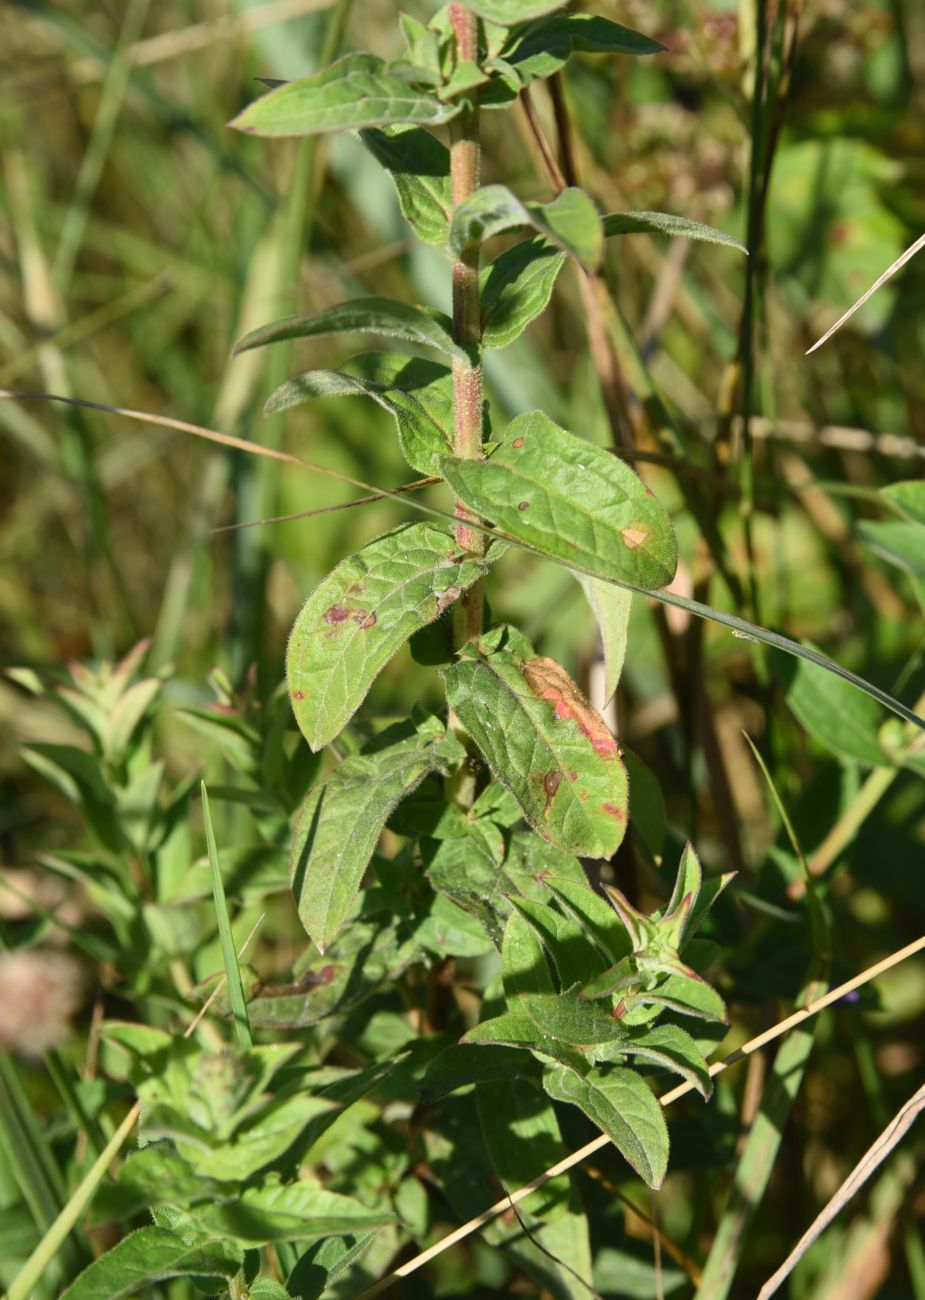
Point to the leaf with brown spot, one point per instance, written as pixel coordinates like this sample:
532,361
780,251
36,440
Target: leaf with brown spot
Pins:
362,613
586,507
542,739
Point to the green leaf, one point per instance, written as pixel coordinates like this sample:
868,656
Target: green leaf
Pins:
543,48
596,917
665,223
673,1048
574,956
543,741
570,500
303,1211
459,1066
516,287
362,613
153,1255
356,91
899,542
372,315
418,395
611,607
512,1029
686,994
907,497
570,221
343,816
524,968
508,12
831,710
570,1019
229,955
648,817
619,1102
419,167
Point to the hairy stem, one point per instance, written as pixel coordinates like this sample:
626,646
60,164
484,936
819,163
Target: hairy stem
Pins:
467,330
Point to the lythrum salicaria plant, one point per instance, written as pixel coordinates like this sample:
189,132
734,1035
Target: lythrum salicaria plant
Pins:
587,988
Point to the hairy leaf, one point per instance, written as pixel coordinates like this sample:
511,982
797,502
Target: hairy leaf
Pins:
573,954
417,394
619,1102
524,968
596,917
362,613
570,500
544,47
343,816
664,223
516,288
543,741
673,1048
152,1255
571,1020
287,1212
372,315
419,166
687,995
570,221
356,91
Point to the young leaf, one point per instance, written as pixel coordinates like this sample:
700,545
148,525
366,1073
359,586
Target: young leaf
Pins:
363,316
362,613
569,1019
543,48
516,287
619,1102
611,606
570,500
686,994
570,221
908,498
524,967
343,816
673,1048
665,223
596,917
356,91
543,741
153,1255
574,956
418,394
419,166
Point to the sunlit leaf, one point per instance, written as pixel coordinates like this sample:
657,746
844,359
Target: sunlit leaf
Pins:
665,223
343,816
362,613
419,166
374,315
571,500
356,91
544,47
611,606
619,1102
543,741
570,221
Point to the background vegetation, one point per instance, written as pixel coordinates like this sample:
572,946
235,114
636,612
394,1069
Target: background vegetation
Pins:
140,239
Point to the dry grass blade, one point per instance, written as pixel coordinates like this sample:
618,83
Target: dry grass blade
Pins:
881,280
599,1143
872,1159
369,499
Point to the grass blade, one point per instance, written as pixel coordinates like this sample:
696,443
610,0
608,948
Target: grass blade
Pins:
230,957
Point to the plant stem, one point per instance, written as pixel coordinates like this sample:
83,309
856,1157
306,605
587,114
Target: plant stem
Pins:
467,329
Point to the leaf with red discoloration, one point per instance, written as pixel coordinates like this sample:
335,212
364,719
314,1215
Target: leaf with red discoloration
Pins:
544,741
